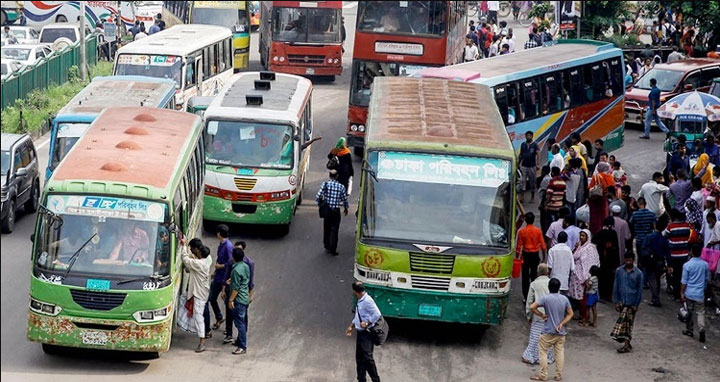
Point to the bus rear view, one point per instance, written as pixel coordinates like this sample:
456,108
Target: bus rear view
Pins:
301,37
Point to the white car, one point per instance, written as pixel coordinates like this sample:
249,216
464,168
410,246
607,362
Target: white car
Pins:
9,66
24,34
26,54
69,33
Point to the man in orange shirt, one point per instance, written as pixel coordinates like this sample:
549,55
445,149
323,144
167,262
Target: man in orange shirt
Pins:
529,243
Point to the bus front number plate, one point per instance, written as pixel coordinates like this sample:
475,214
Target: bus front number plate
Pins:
94,338
430,310
310,71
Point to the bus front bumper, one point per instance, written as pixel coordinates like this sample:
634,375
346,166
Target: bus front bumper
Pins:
81,332
307,70
221,210
439,306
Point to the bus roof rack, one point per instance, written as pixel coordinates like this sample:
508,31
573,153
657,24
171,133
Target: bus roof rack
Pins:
254,99
267,75
262,85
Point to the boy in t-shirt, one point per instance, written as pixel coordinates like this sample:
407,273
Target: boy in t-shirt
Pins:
591,294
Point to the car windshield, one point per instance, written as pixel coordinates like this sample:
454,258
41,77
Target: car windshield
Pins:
471,196
307,25
20,54
125,237
365,71
66,137
151,66
234,19
666,79
50,35
249,144
5,161
402,17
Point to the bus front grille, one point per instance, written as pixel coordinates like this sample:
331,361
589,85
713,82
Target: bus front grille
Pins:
432,263
97,300
245,184
306,59
431,283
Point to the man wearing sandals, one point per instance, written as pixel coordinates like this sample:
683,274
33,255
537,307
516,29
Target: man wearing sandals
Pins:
558,312
627,295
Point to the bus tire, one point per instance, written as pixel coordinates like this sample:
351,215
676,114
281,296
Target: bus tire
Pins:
50,349
330,78
209,226
284,229
61,19
358,151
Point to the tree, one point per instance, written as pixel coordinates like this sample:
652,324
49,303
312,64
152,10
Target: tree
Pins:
703,15
599,16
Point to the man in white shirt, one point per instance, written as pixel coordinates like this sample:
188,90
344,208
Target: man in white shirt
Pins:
653,192
508,39
707,229
197,264
675,55
556,227
557,159
470,53
561,262
493,8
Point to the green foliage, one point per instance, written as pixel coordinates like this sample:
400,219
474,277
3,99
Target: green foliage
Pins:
599,16
623,41
703,14
540,10
74,73
40,105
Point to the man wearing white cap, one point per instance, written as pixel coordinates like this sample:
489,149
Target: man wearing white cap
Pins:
710,207
622,229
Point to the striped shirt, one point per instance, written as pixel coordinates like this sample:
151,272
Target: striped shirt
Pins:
555,194
678,235
641,222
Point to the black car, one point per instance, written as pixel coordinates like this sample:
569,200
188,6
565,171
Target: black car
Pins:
20,178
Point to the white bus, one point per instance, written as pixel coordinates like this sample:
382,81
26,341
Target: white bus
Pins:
197,57
257,136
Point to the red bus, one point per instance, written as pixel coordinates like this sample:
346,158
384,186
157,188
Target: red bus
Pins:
301,37
397,38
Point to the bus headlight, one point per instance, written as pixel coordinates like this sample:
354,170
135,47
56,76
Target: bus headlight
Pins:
282,58
144,316
361,128
276,58
335,61
330,61
44,308
353,128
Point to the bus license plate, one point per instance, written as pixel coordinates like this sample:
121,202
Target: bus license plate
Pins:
94,338
487,285
430,310
309,71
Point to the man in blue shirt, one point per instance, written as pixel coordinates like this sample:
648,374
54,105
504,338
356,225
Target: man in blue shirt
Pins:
651,111
655,253
366,316
627,295
333,194
154,28
223,266
695,276
558,313
680,190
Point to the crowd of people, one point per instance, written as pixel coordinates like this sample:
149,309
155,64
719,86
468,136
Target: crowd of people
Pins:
491,38
593,231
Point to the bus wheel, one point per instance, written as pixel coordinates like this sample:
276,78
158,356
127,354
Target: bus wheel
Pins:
283,229
330,78
51,349
358,151
209,226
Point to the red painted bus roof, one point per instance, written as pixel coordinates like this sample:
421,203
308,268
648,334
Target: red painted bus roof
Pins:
433,110
137,145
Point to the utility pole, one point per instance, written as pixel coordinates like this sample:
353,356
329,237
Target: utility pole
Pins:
83,53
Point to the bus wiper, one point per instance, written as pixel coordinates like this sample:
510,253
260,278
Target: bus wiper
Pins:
75,255
370,170
55,218
153,277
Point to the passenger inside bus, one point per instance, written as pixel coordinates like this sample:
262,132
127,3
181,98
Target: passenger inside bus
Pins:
132,244
408,17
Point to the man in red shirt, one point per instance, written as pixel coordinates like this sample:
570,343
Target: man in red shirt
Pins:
529,244
555,194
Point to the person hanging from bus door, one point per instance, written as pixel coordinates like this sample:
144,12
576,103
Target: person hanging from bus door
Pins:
651,111
197,264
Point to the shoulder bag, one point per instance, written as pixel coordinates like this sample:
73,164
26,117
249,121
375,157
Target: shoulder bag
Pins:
379,331
323,206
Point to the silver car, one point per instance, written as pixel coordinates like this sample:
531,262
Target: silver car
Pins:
20,178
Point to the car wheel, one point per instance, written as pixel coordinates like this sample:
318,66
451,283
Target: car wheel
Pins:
8,223
32,204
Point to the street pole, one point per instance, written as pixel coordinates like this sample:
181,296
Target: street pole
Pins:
83,53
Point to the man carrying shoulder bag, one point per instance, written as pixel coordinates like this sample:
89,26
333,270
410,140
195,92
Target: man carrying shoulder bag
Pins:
372,329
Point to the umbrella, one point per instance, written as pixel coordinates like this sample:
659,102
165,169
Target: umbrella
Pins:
691,106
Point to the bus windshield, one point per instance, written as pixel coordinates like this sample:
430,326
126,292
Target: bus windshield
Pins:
666,79
471,196
402,17
67,135
225,17
249,144
125,237
307,25
365,71
151,66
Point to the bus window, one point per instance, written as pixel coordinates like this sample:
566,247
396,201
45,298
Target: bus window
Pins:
574,88
502,102
530,98
552,101
616,76
190,74
598,77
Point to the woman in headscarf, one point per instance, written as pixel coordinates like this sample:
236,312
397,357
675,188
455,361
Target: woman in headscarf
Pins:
573,152
343,165
585,257
693,213
703,170
598,204
606,243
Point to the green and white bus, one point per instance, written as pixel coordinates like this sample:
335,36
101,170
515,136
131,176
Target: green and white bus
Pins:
106,269
435,232
257,136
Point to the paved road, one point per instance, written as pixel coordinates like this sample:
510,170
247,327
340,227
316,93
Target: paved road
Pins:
303,305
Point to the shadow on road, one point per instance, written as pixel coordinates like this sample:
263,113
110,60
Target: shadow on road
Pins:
419,332
105,361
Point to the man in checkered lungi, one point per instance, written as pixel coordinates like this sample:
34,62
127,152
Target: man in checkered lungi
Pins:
627,295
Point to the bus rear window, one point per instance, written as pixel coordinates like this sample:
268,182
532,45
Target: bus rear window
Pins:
402,17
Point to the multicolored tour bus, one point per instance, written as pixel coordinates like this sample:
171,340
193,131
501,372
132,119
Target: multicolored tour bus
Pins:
301,37
106,268
197,57
397,38
257,136
39,13
436,151
564,87
231,14
73,119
